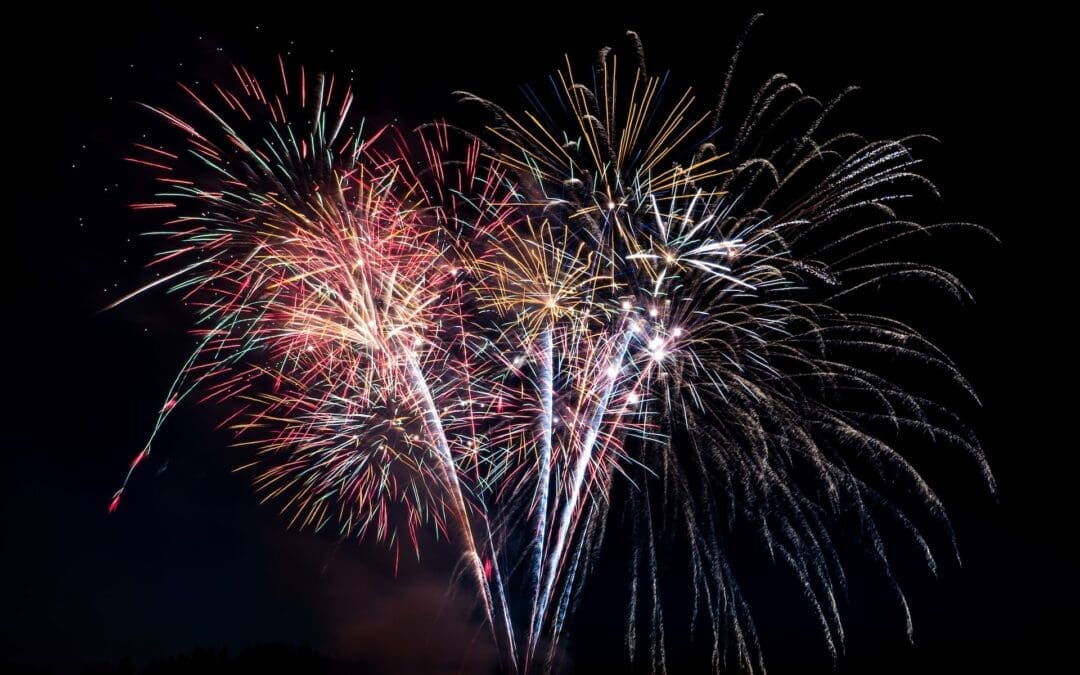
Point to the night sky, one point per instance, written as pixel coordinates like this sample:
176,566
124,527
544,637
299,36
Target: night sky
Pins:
192,560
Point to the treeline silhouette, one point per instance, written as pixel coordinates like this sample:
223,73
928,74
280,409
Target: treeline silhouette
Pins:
272,659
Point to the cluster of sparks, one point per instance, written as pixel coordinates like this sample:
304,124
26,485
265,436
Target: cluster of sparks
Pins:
608,304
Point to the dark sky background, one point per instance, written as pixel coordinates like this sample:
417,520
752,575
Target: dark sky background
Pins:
192,560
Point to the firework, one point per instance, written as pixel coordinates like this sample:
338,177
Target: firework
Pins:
616,302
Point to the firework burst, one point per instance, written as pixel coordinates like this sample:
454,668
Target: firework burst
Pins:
619,301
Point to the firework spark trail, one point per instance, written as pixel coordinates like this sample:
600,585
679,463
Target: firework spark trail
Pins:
450,475
543,481
499,333
577,485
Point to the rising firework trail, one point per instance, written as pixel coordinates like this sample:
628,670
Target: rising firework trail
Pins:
613,300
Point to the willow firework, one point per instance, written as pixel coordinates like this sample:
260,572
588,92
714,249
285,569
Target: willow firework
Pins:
613,302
